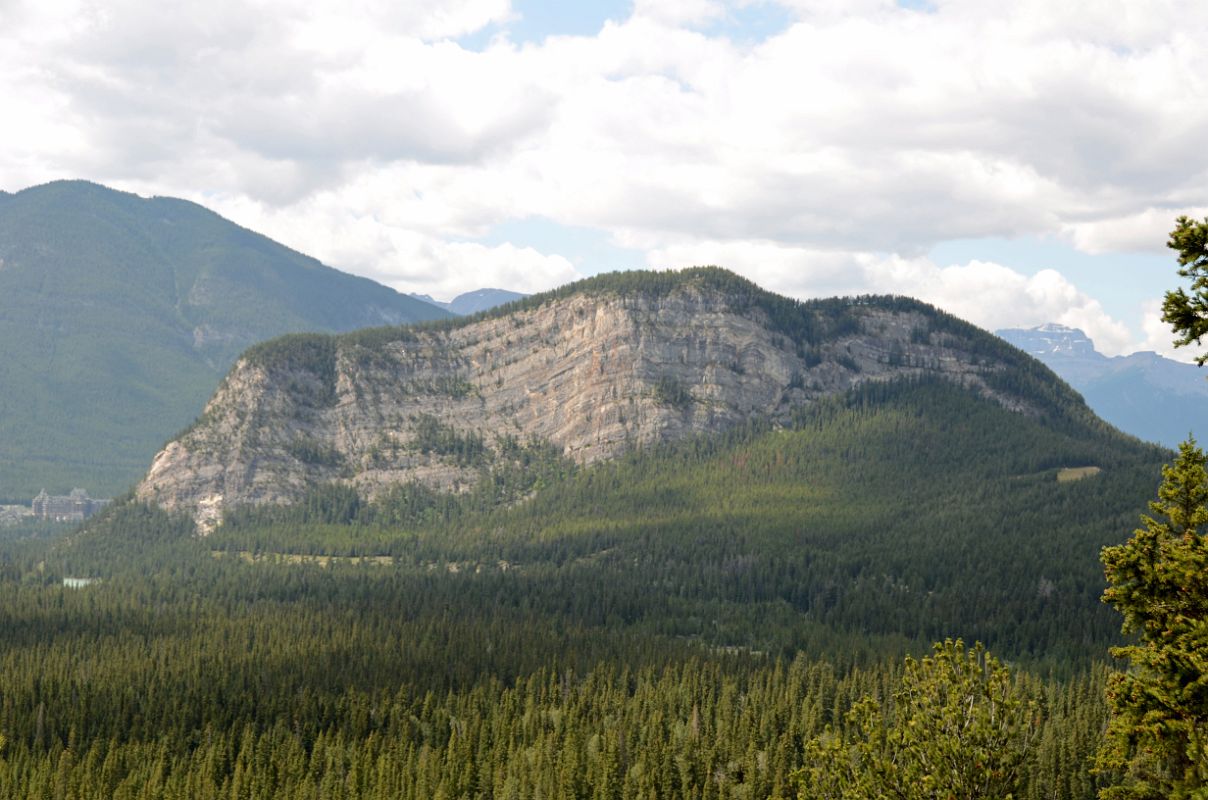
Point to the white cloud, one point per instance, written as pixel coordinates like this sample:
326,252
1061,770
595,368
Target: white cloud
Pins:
995,296
828,157
1145,230
410,260
521,269
1158,336
990,295
680,12
794,271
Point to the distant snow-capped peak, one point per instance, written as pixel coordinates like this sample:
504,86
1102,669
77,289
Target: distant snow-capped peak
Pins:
1050,339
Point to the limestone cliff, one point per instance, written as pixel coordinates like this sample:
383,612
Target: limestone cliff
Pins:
593,369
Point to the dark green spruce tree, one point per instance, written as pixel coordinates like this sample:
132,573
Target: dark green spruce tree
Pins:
1157,739
1188,313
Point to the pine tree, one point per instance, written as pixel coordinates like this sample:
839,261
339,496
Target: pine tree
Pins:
1157,738
1188,314
958,727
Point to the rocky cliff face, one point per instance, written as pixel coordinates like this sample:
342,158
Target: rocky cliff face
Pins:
592,372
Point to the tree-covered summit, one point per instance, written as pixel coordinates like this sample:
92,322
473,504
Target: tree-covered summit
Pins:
119,314
807,326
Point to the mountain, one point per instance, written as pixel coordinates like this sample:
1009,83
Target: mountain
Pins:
679,454
482,300
1151,397
475,301
593,369
120,314
710,603
1051,340
690,525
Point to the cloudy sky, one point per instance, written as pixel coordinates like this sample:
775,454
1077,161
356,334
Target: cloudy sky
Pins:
1015,162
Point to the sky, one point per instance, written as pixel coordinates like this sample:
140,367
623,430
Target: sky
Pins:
1015,163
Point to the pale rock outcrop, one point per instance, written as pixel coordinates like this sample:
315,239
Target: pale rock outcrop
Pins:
593,374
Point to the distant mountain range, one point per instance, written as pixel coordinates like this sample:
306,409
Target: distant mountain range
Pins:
473,302
119,315
1151,397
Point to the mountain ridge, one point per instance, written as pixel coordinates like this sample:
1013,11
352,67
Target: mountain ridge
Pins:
473,301
593,368
119,314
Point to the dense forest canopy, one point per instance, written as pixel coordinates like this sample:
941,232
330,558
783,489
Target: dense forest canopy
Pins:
677,623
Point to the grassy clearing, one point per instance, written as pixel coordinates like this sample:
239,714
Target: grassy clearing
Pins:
1069,474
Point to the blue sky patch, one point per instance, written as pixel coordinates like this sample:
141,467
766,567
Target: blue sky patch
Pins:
535,20
752,23
918,5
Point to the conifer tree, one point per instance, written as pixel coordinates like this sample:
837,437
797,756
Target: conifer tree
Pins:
958,727
1157,739
1188,314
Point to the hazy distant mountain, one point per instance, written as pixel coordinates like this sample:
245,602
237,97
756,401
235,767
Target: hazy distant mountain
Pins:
119,315
1144,394
429,299
475,301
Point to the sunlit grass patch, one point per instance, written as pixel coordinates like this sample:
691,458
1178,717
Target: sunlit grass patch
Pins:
1069,474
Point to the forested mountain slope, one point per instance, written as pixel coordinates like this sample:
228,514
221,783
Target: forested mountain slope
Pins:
593,369
888,517
119,315
675,620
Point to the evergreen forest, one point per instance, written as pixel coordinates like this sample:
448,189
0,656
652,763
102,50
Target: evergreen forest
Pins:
701,619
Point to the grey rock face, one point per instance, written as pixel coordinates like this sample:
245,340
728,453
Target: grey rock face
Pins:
593,375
